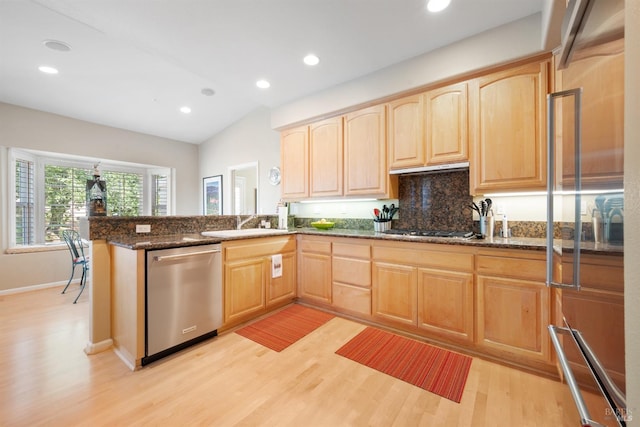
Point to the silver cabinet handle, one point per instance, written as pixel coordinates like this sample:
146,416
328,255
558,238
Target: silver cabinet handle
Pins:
177,256
577,94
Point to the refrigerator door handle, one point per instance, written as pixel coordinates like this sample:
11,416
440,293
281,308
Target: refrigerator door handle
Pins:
585,417
552,190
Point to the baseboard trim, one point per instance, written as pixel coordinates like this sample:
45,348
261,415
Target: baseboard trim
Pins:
36,287
93,348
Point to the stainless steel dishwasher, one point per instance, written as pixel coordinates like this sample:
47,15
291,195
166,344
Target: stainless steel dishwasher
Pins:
183,298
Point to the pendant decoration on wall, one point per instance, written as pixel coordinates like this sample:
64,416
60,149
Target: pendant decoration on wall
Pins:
274,175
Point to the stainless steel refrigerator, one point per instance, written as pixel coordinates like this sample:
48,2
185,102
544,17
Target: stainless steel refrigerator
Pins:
585,217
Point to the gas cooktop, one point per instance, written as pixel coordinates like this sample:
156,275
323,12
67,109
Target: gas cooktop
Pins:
429,233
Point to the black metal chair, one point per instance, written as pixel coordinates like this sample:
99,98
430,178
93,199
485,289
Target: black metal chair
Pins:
76,249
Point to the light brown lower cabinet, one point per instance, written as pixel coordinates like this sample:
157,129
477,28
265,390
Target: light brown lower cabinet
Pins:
395,292
445,304
426,288
351,276
249,288
314,267
513,306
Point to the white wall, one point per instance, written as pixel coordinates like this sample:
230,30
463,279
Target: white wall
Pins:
37,130
504,44
251,139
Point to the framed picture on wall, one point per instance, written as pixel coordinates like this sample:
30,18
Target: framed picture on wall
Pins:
212,195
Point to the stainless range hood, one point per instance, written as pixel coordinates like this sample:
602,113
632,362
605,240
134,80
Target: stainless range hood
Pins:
447,167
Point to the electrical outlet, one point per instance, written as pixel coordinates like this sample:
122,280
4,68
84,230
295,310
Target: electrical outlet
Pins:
583,207
143,228
499,209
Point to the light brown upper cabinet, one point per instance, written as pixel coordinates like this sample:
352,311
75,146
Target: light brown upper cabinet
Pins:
430,128
601,78
294,155
365,154
447,124
508,129
325,158
406,132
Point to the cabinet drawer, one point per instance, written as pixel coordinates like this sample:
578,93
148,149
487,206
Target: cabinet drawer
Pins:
352,250
352,298
253,248
530,269
355,272
416,256
320,246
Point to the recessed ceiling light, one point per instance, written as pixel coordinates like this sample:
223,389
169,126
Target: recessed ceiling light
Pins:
437,5
207,91
311,59
57,45
185,110
48,70
263,84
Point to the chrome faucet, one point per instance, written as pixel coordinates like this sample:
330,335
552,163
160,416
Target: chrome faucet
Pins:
240,223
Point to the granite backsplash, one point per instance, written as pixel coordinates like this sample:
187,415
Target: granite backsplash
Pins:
435,201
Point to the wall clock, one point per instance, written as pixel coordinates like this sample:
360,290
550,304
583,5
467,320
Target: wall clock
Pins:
274,175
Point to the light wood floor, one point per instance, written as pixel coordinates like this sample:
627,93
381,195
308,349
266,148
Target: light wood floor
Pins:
46,379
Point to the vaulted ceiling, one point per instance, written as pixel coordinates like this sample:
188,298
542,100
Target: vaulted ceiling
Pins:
133,64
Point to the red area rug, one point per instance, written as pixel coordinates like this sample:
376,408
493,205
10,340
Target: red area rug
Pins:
436,370
285,327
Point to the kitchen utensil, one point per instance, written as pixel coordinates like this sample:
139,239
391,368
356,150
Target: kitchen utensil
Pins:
483,208
489,203
475,208
393,212
376,213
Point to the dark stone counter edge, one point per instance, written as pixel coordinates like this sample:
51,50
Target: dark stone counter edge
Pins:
195,239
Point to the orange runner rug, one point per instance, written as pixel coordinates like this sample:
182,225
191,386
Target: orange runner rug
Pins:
285,327
436,370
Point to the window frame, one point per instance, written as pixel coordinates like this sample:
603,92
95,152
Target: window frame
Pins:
41,159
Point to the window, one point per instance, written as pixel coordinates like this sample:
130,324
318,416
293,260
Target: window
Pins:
25,200
51,193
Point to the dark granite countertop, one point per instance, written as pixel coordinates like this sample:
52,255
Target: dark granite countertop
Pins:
193,239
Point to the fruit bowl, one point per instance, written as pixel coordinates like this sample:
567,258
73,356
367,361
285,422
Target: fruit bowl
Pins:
323,225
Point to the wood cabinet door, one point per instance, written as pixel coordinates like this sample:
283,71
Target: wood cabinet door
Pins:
601,78
406,132
447,124
282,288
244,284
508,128
294,157
325,156
394,292
315,277
445,303
512,318
365,151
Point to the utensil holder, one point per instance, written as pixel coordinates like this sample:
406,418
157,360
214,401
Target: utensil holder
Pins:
381,226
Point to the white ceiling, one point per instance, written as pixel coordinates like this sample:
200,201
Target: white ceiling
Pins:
134,63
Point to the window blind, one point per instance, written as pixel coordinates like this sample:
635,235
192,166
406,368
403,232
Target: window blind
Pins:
25,202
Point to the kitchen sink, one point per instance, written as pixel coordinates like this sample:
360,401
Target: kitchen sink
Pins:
245,232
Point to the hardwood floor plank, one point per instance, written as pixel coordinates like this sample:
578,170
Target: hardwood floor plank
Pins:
46,379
